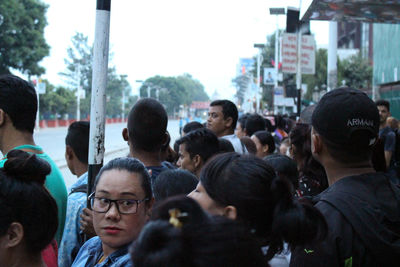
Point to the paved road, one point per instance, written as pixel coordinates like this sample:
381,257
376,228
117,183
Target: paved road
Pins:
52,140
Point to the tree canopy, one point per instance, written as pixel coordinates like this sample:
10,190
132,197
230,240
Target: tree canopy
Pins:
79,68
174,91
355,71
22,42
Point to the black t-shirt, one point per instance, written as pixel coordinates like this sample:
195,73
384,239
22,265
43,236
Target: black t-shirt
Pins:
363,217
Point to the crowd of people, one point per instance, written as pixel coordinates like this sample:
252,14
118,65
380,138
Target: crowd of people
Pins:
234,191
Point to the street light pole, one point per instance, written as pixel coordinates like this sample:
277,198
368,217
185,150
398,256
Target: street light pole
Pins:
123,78
258,98
276,11
78,97
99,83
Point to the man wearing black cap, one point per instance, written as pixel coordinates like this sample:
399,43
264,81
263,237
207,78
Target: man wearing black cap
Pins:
361,206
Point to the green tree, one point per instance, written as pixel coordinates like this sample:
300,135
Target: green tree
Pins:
55,101
174,91
318,80
79,67
22,42
355,71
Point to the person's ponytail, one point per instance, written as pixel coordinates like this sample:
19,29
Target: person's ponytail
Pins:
158,243
294,222
26,167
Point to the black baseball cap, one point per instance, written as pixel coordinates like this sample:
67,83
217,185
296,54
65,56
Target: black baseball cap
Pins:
343,112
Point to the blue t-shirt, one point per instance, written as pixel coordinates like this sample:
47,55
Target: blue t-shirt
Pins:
91,252
73,237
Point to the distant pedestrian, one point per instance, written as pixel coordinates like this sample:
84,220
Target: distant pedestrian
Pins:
222,119
191,126
241,125
196,148
146,133
254,123
388,135
76,156
174,182
312,176
265,143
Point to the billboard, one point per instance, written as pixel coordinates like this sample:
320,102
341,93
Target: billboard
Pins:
270,76
246,65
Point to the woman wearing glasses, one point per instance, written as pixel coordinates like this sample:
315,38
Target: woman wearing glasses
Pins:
121,202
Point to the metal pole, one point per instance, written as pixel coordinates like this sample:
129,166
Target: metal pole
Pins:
78,98
258,81
38,108
99,83
276,63
276,51
123,105
123,79
332,56
298,75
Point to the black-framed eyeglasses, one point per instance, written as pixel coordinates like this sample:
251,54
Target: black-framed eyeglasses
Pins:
124,206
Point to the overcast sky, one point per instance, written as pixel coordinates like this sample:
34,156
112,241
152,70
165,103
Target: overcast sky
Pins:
171,37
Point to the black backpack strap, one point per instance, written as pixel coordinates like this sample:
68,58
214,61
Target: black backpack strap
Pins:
79,189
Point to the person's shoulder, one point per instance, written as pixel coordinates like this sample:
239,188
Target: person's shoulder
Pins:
123,261
77,199
2,161
91,247
93,244
391,132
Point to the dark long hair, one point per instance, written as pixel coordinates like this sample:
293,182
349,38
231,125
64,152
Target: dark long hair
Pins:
200,240
300,138
24,199
264,202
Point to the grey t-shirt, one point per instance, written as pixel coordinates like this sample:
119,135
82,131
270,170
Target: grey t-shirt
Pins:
236,143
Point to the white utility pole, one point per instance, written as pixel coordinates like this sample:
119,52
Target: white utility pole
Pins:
99,84
332,56
78,96
259,60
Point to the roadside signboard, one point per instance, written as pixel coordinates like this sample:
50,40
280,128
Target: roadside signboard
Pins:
41,88
289,53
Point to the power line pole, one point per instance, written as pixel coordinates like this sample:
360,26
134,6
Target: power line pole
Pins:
332,56
78,97
99,83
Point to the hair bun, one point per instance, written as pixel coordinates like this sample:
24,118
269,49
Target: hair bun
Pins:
26,167
159,242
